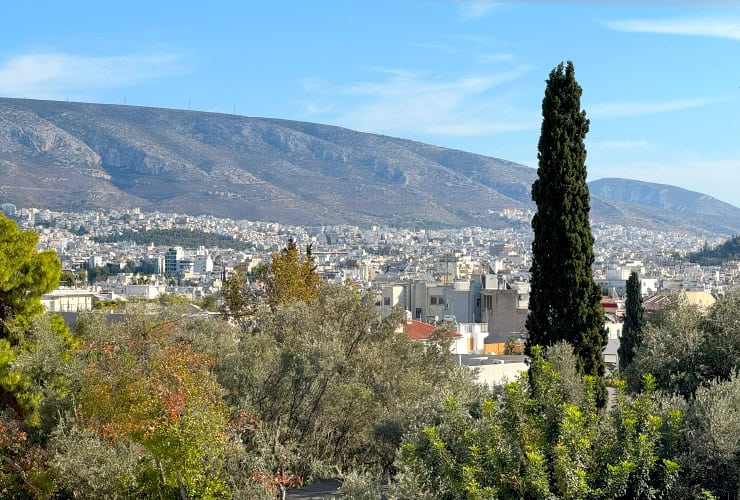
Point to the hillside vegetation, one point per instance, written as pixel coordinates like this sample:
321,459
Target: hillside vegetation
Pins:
724,252
186,238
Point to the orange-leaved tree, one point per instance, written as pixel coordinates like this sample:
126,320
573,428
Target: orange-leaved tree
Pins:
141,384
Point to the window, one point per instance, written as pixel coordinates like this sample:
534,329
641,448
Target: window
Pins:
489,302
386,301
436,300
418,313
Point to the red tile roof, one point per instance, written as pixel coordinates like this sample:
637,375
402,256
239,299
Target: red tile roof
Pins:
417,330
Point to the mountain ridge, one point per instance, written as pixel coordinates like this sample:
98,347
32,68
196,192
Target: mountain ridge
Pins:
73,156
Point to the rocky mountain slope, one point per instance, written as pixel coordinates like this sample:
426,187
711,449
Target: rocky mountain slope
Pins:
661,196
75,156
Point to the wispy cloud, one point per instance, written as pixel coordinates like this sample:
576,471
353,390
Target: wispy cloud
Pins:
408,102
705,26
477,9
54,75
497,58
640,108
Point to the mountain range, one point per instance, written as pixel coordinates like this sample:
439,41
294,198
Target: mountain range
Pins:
78,156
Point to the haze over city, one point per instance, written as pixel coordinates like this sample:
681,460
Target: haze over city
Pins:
660,85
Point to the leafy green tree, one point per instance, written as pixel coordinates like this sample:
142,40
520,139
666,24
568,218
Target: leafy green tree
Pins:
634,322
564,301
289,277
88,466
535,443
686,348
330,385
696,355
100,273
720,351
240,300
25,275
45,369
48,367
208,302
711,453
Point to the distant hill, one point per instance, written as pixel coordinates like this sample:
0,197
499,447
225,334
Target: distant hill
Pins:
660,205
75,156
725,252
662,196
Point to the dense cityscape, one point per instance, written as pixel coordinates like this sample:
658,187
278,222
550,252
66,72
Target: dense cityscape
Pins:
404,273
368,257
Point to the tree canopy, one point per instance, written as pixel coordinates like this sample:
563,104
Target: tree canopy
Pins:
25,275
634,322
544,438
724,252
564,301
290,277
188,238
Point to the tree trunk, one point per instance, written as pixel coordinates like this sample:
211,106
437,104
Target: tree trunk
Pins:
183,489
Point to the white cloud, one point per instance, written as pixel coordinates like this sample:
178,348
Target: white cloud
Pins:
497,58
406,102
712,27
55,75
640,108
476,9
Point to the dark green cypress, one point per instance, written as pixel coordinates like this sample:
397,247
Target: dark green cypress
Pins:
633,322
564,301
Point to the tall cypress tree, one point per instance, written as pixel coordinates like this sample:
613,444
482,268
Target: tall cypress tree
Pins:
633,322
564,301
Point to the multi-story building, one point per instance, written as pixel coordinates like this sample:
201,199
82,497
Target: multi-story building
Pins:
171,259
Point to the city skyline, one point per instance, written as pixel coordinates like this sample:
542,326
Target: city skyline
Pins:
659,87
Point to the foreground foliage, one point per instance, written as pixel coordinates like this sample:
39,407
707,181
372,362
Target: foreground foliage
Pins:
542,439
25,275
278,392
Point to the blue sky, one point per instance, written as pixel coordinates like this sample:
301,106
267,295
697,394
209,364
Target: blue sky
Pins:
661,81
